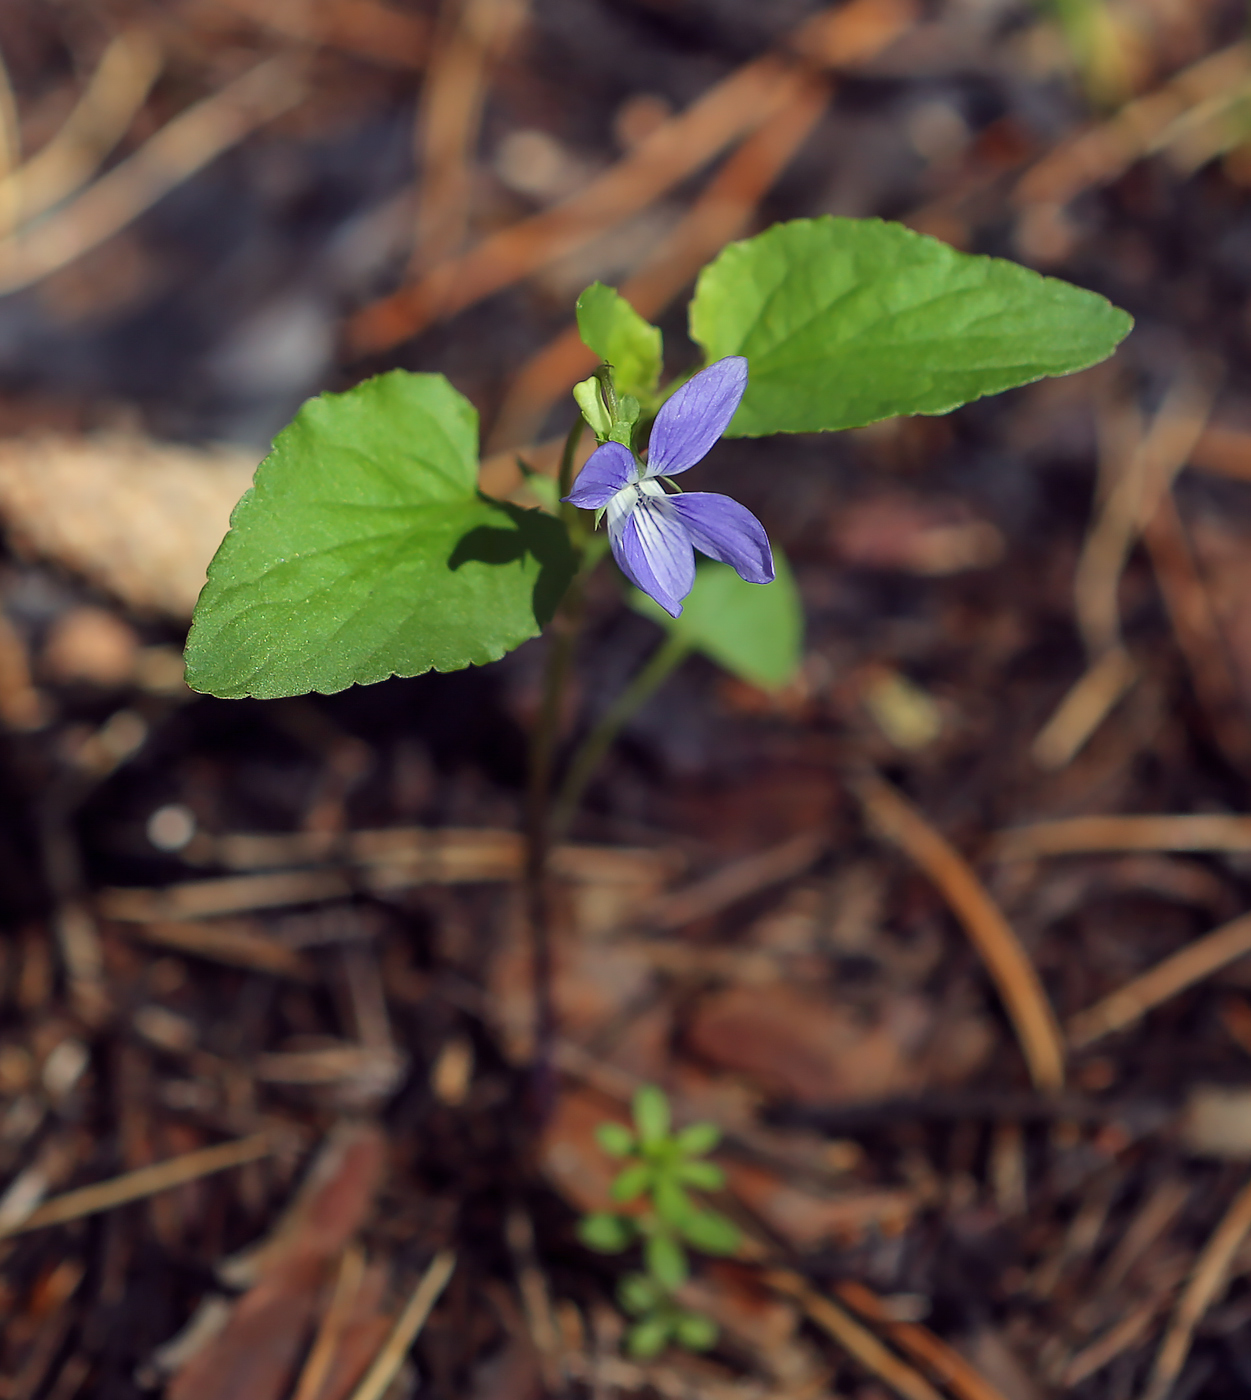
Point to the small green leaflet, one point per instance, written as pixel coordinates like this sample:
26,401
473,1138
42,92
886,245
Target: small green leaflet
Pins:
754,630
364,550
847,321
610,326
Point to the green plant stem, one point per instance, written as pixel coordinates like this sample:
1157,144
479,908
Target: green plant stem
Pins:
565,627
668,655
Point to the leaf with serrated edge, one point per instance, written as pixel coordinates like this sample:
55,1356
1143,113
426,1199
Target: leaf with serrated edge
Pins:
610,326
754,630
848,321
364,550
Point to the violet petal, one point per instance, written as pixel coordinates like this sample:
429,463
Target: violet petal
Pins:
653,550
695,417
727,531
607,470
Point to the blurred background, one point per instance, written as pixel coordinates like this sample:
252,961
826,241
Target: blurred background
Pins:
977,1032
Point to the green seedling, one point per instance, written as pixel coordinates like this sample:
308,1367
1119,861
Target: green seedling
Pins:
660,1170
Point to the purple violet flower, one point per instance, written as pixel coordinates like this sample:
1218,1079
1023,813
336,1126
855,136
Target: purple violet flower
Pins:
654,535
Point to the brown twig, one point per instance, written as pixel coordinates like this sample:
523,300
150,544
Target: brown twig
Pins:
733,108
377,1380
1118,1339
737,881
1154,1217
368,29
470,38
943,1362
146,1181
1207,1279
232,894
536,1298
1093,697
671,153
57,1292
321,1354
21,705
1223,451
233,943
109,104
722,211
78,939
990,933
10,148
1131,502
1104,152
1165,980
180,148
1087,835
858,1341
1198,633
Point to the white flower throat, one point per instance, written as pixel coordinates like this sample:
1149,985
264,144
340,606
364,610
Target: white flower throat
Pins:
621,506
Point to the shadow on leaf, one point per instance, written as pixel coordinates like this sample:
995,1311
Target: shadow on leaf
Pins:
533,533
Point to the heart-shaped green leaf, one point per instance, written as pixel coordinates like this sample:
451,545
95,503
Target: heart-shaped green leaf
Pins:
754,630
847,321
364,550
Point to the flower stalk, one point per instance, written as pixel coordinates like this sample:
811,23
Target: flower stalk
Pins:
538,829
590,753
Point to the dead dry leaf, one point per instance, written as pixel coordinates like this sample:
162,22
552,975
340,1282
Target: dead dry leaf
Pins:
806,1218
256,1351
807,1047
137,518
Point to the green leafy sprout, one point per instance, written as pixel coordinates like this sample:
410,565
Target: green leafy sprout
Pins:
661,1169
